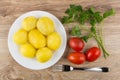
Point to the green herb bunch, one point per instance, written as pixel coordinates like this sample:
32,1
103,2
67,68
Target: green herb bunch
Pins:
77,14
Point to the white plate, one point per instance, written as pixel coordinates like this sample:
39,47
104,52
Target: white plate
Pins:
33,63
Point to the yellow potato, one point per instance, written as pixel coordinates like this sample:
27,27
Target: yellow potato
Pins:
44,54
29,23
20,37
36,38
27,50
45,25
54,41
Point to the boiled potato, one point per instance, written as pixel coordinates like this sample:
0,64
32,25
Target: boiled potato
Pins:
54,41
45,25
20,37
36,38
29,23
27,50
44,54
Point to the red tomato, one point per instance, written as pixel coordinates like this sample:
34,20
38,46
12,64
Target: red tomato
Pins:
76,57
93,54
76,43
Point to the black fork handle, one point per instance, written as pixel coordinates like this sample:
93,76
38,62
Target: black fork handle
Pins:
79,68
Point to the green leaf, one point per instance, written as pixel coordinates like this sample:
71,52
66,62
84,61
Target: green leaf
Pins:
76,7
109,13
76,31
91,10
84,16
73,10
79,8
93,29
98,17
69,12
85,38
73,13
93,22
67,19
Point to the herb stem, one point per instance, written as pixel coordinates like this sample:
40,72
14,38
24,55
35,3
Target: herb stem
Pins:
101,33
84,28
101,45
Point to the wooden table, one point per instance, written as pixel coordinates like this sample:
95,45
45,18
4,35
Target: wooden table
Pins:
11,70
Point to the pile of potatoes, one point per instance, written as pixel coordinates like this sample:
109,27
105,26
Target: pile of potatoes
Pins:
37,38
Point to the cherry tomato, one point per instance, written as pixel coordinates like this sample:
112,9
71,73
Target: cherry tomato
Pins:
93,54
76,57
76,43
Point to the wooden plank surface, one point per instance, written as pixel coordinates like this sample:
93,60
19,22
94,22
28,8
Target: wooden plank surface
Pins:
11,70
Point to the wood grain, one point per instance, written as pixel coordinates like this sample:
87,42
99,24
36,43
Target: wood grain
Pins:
11,9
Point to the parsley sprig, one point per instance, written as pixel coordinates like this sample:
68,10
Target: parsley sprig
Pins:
77,14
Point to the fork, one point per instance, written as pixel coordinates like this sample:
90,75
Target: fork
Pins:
67,68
